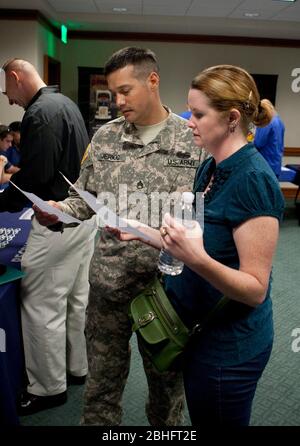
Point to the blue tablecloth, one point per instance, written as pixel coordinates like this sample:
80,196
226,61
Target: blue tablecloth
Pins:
13,236
287,174
296,180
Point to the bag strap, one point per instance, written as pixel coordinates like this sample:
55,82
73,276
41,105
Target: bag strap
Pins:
210,316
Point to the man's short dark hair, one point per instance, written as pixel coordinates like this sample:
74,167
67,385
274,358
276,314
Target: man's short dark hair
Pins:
143,60
15,126
4,131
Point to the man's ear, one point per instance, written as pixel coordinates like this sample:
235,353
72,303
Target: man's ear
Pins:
14,75
153,80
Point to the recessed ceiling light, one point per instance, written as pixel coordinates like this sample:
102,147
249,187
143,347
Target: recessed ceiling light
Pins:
251,14
119,9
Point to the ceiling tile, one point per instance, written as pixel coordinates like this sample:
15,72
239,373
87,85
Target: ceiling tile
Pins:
167,3
165,7
265,8
266,5
240,14
214,17
73,5
107,6
163,12
212,8
292,13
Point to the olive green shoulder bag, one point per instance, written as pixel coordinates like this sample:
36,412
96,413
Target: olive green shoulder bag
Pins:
161,333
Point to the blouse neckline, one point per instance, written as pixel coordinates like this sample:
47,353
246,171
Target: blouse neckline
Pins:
222,171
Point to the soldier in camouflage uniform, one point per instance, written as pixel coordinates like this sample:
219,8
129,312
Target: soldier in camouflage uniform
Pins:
120,154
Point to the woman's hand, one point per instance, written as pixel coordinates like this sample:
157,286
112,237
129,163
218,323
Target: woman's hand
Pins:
255,241
185,244
151,234
121,235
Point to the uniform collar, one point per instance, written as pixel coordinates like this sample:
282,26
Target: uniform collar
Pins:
130,135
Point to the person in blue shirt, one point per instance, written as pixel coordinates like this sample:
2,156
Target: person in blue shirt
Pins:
269,140
243,206
186,114
8,168
13,153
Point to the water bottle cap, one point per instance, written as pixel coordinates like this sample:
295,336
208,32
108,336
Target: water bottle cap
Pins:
188,197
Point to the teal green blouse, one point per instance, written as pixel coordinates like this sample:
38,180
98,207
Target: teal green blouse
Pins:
244,187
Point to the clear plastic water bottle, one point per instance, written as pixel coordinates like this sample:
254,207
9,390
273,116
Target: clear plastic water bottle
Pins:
167,263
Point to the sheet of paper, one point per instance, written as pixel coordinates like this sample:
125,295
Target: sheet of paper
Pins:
27,214
108,217
89,198
44,206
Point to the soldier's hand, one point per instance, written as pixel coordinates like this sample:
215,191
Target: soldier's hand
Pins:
44,218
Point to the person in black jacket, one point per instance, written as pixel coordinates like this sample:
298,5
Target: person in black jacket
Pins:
55,288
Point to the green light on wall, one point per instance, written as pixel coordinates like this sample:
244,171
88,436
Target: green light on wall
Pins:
50,44
64,34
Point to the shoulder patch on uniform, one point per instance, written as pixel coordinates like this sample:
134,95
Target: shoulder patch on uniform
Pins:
85,155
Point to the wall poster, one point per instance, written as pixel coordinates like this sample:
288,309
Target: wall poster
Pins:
95,101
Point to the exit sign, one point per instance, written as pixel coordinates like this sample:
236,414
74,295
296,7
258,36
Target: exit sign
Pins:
64,33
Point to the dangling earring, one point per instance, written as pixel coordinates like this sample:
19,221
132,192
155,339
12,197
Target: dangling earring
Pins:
232,127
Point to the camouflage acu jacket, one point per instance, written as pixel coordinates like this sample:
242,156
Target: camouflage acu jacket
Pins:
120,167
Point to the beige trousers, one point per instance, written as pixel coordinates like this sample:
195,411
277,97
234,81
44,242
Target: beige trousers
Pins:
53,304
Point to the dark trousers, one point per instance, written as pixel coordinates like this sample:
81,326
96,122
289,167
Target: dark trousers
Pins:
222,396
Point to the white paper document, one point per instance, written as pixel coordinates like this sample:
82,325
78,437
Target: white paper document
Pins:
107,217
89,198
44,206
27,214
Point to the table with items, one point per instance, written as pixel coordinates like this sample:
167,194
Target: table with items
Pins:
13,236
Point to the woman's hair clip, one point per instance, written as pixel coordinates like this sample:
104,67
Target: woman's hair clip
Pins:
246,106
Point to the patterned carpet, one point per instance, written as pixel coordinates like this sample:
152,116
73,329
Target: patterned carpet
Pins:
277,401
